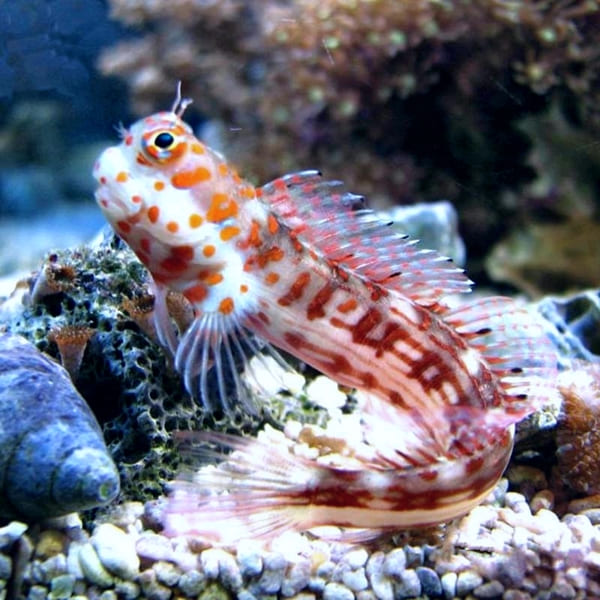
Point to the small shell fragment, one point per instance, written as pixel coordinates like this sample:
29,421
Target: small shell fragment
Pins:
53,459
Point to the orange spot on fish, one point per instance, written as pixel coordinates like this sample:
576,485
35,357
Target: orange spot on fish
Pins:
172,226
121,177
247,192
188,179
198,148
136,199
102,179
208,250
226,306
128,139
243,288
196,293
229,232
254,236
249,263
223,169
296,289
272,254
142,160
159,186
272,278
272,224
213,278
221,207
195,220
153,213
347,306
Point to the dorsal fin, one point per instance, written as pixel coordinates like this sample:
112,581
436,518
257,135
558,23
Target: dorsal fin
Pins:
337,226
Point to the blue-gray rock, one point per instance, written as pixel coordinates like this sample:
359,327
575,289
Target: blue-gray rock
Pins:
430,581
574,325
434,224
53,459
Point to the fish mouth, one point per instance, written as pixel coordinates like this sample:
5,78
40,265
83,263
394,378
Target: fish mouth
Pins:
116,205
115,195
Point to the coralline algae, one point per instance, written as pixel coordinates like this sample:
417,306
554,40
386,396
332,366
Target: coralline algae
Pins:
53,459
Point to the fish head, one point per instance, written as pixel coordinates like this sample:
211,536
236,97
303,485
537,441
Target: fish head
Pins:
172,199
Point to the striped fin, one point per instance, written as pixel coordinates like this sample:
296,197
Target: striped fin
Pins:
212,354
335,224
512,341
256,493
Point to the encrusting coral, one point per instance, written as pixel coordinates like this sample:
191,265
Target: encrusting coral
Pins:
578,434
397,99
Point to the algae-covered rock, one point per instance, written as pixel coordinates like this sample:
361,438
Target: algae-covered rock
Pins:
53,459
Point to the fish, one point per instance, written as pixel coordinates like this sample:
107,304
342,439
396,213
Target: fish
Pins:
302,265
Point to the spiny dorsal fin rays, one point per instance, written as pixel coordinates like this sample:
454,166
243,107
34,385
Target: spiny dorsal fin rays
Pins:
328,221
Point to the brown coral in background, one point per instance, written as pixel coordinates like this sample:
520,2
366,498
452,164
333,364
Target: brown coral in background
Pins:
578,434
402,100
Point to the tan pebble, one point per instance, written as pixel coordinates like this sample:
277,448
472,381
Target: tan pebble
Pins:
543,499
576,506
524,474
50,543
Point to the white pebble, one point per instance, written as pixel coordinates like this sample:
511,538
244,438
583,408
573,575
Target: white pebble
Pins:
324,392
154,547
11,533
467,581
448,581
380,584
249,558
356,580
92,567
356,558
394,563
593,560
337,591
211,560
116,550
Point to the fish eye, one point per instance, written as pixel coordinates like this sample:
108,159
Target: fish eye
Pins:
164,140
164,146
